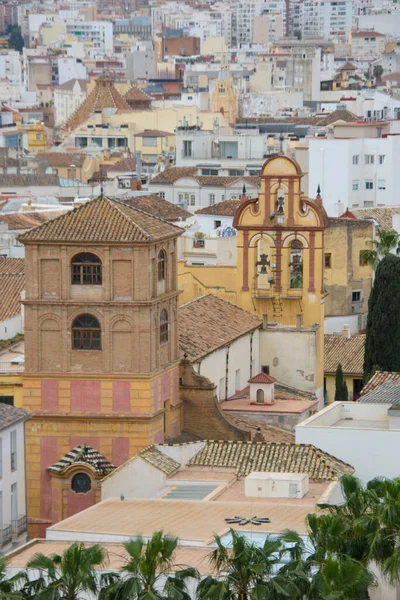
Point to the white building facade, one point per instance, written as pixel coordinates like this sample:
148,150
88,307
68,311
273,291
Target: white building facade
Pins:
362,172
13,522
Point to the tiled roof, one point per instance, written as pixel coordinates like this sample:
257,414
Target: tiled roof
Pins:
28,220
63,159
348,66
69,85
337,115
135,95
262,378
153,133
379,378
383,215
349,352
357,223
172,175
127,165
104,95
83,455
271,433
226,208
159,460
246,457
386,393
12,283
348,215
9,415
366,34
102,220
29,180
208,323
158,207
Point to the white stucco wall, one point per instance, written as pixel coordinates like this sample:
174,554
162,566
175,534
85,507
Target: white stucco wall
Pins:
137,479
10,477
291,357
11,327
214,365
371,451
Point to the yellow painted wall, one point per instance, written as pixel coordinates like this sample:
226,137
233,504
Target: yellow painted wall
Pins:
166,144
330,385
37,141
52,33
11,385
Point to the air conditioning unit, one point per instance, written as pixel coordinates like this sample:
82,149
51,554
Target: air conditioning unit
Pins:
276,485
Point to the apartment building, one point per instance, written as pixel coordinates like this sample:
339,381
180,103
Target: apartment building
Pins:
99,33
358,172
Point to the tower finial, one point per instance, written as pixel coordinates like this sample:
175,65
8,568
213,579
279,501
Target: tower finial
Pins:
244,190
318,190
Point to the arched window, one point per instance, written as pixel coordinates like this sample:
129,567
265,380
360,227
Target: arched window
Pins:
296,264
162,264
86,333
163,327
86,269
260,396
81,483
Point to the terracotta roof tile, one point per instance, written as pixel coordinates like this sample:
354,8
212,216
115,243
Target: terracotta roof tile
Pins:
337,115
246,457
271,433
83,455
9,415
379,378
174,173
225,208
104,95
28,180
137,97
12,283
349,352
262,378
64,159
127,165
28,220
158,207
153,133
208,323
383,215
102,220
69,85
159,460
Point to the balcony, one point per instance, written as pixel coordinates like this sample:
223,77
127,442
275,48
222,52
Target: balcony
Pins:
5,535
269,291
19,526
9,367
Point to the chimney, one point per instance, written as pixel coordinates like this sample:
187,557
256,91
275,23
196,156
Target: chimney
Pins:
258,436
139,165
346,332
265,321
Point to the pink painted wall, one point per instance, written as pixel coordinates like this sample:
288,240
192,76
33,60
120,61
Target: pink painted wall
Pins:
122,396
50,395
120,451
85,396
78,502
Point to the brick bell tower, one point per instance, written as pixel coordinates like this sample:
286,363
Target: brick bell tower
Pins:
101,347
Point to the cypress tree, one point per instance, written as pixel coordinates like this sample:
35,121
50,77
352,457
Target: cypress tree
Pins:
341,391
382,344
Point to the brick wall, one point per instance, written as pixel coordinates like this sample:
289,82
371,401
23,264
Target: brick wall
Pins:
202,415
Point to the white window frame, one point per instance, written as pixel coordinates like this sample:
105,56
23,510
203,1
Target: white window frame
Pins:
356,184
356,158
369,159
13,450
369,184
211,199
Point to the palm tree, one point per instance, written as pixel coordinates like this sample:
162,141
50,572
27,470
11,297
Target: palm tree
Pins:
245,571
146,574
10,588
387,242
68,577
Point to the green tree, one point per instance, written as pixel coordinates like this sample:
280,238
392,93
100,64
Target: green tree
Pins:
244,571
387,242
15,40
10,588
341,391
146,574
382,343
378,72
68,577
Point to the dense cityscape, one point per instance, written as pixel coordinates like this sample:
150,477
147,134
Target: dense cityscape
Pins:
199,299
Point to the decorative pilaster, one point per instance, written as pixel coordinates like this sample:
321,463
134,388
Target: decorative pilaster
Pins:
311,278
245,286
